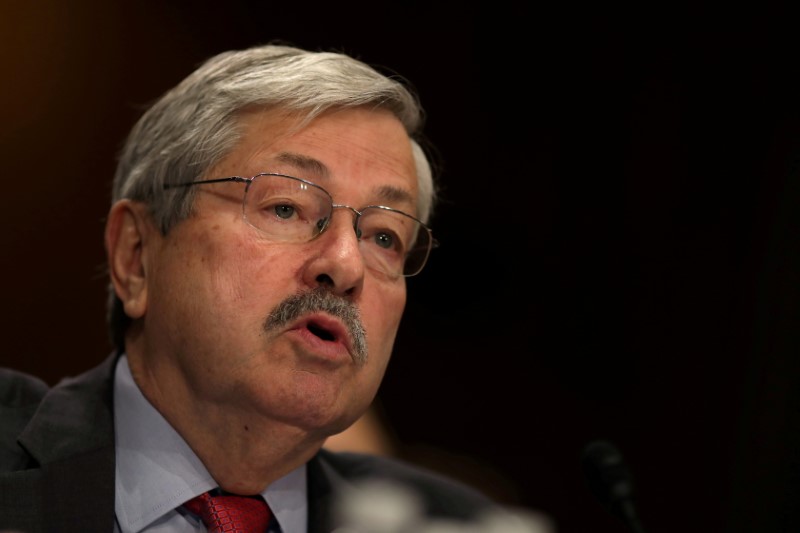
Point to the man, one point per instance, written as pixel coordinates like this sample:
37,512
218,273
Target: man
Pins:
265,214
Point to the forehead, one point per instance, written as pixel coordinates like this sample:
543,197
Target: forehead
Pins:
343,150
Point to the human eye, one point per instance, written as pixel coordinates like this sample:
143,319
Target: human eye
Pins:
284,210
387,240
382,247
281,209
386,232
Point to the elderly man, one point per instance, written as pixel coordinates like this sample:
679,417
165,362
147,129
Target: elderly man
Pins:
266,213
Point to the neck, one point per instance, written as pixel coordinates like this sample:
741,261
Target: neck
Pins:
246,466
243,451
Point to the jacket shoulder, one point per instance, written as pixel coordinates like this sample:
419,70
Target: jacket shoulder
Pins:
18,389
20,396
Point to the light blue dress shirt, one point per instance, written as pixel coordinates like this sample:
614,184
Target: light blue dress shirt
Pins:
157,471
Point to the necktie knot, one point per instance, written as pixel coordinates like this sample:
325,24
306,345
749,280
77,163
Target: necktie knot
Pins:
230,513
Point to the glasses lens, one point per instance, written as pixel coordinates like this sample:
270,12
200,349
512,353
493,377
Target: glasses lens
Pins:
289,209
393,242
417,257
286,208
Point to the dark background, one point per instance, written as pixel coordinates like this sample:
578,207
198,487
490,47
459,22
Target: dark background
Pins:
619,234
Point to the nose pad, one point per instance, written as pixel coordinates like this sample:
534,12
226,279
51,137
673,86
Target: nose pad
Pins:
356,217
324,223
331,225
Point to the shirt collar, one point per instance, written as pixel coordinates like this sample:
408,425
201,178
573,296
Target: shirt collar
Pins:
156,470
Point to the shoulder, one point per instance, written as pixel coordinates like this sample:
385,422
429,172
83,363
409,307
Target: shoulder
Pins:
20,396
41,424
439,495
18,389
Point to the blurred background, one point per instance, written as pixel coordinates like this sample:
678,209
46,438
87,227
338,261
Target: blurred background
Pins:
619,231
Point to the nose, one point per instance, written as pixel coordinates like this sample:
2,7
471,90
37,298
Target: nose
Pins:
356,215
338,263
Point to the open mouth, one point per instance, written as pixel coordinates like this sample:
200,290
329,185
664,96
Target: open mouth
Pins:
332,336
321,332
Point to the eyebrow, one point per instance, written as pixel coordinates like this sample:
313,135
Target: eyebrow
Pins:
305,163
385,193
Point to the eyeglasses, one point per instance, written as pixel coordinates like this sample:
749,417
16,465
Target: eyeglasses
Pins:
289,209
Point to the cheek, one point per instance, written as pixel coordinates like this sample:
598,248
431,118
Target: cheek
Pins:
382,315
252,277
228,273
221,268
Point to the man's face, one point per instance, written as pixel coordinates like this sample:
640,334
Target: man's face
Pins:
214,280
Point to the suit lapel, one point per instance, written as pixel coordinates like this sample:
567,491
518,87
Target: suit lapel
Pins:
325,485
71,439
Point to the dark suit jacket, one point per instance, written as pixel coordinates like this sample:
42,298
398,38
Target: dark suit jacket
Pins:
57,461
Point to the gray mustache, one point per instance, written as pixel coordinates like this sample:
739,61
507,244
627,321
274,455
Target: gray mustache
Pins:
321,299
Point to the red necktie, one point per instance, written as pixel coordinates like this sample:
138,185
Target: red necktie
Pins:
231,513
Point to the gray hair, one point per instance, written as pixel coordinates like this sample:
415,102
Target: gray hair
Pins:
195,124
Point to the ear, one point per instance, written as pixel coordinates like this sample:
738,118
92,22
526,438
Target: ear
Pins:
128,231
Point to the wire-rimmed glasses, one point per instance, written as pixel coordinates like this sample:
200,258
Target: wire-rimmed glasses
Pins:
289,209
